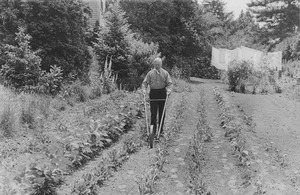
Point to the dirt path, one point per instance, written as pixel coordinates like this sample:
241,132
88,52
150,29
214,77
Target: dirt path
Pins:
175,179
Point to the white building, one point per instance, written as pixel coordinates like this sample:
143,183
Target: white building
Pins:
98,8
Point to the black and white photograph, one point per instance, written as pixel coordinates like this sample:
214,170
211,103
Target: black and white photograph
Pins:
149,97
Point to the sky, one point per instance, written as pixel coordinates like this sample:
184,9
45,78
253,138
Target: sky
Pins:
236,6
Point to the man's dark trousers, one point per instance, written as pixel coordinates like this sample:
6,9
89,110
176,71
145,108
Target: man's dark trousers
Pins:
157,103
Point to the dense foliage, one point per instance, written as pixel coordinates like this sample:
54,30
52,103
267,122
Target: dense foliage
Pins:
22,66
280,18
134,32
171,24
290,47
130,55
58,29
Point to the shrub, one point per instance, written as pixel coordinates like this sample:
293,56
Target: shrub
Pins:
50,82
238,73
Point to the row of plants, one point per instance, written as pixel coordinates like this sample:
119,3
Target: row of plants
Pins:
147,183
233,125
43,170
94,177
195,156
248,120
202,123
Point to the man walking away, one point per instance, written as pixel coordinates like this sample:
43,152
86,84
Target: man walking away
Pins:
160,84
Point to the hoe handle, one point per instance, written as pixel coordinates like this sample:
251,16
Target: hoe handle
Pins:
147,126
162,116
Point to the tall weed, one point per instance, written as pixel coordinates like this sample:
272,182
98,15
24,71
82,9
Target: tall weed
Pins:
7,122
107,78
19,109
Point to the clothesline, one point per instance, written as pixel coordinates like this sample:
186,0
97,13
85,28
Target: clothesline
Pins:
221,58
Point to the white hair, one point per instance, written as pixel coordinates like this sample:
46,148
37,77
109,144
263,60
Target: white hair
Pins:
157,60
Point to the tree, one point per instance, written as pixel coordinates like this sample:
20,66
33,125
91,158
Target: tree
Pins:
58,29
150,19
290,48
281,18
22,67
165,23
217,7
113,42
130,55
245,31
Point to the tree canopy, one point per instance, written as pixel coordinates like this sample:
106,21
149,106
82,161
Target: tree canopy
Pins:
58,29
133,32
280,18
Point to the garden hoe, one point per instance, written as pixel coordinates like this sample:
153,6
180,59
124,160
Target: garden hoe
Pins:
162,116
149,131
